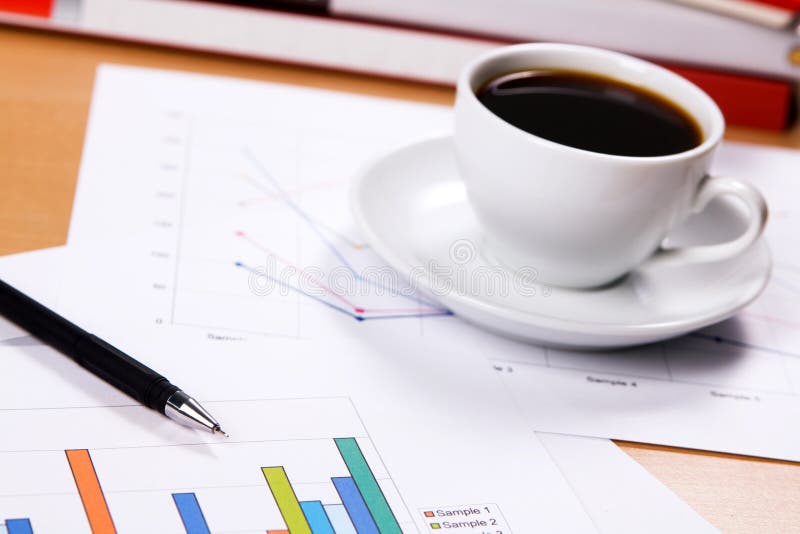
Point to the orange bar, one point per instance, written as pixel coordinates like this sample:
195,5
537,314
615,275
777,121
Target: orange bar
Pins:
94,502
277,532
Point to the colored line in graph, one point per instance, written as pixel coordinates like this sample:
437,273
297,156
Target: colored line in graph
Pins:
342,237
771,319
313,226
327,289
271,197
338,308
368,486
786,284
742,344
19,526
339,519
787,280
300,291
286,500
294,207
91,494
316,517
302,271
354,504
194,522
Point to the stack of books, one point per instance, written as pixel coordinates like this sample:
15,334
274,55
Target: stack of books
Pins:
744,53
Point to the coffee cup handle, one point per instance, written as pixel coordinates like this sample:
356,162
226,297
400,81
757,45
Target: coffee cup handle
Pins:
711,187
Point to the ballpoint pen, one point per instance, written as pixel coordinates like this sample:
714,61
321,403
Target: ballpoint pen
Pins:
104,361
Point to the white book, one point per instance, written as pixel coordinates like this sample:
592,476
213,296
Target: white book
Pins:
655,29
748,10
396,43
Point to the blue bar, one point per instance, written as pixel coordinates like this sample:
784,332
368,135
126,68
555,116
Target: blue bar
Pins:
191,514
19,526
355,505
339,519
316,517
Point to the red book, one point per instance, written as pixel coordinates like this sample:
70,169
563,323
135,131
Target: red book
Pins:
39,8
793,5
745,100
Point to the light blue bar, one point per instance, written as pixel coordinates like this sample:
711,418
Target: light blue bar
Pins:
355,505
339,519
316,517
19,526
191,514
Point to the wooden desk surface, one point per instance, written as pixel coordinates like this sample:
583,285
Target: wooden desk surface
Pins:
45,89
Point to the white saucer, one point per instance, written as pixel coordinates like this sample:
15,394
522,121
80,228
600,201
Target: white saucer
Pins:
413,209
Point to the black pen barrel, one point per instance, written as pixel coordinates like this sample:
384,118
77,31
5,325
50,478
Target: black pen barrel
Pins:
102,359
123,372
38,320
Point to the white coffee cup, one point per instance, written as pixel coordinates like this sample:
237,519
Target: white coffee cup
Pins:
584,219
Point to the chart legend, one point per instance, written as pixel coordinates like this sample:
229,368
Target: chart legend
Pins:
466,519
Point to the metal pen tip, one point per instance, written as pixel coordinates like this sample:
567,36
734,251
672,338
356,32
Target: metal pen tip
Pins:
182,408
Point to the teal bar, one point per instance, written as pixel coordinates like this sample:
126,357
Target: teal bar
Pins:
368,487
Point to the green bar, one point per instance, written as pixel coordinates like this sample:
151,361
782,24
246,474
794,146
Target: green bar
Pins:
367,485
286,500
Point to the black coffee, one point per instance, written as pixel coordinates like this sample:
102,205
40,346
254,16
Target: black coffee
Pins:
591,112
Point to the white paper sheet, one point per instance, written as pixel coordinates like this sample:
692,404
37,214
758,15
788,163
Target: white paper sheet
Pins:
415,390
617,493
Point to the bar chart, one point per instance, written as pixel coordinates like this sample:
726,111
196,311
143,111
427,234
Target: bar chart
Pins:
307,485
363,506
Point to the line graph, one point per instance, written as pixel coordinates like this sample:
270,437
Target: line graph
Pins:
280,193
266,242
